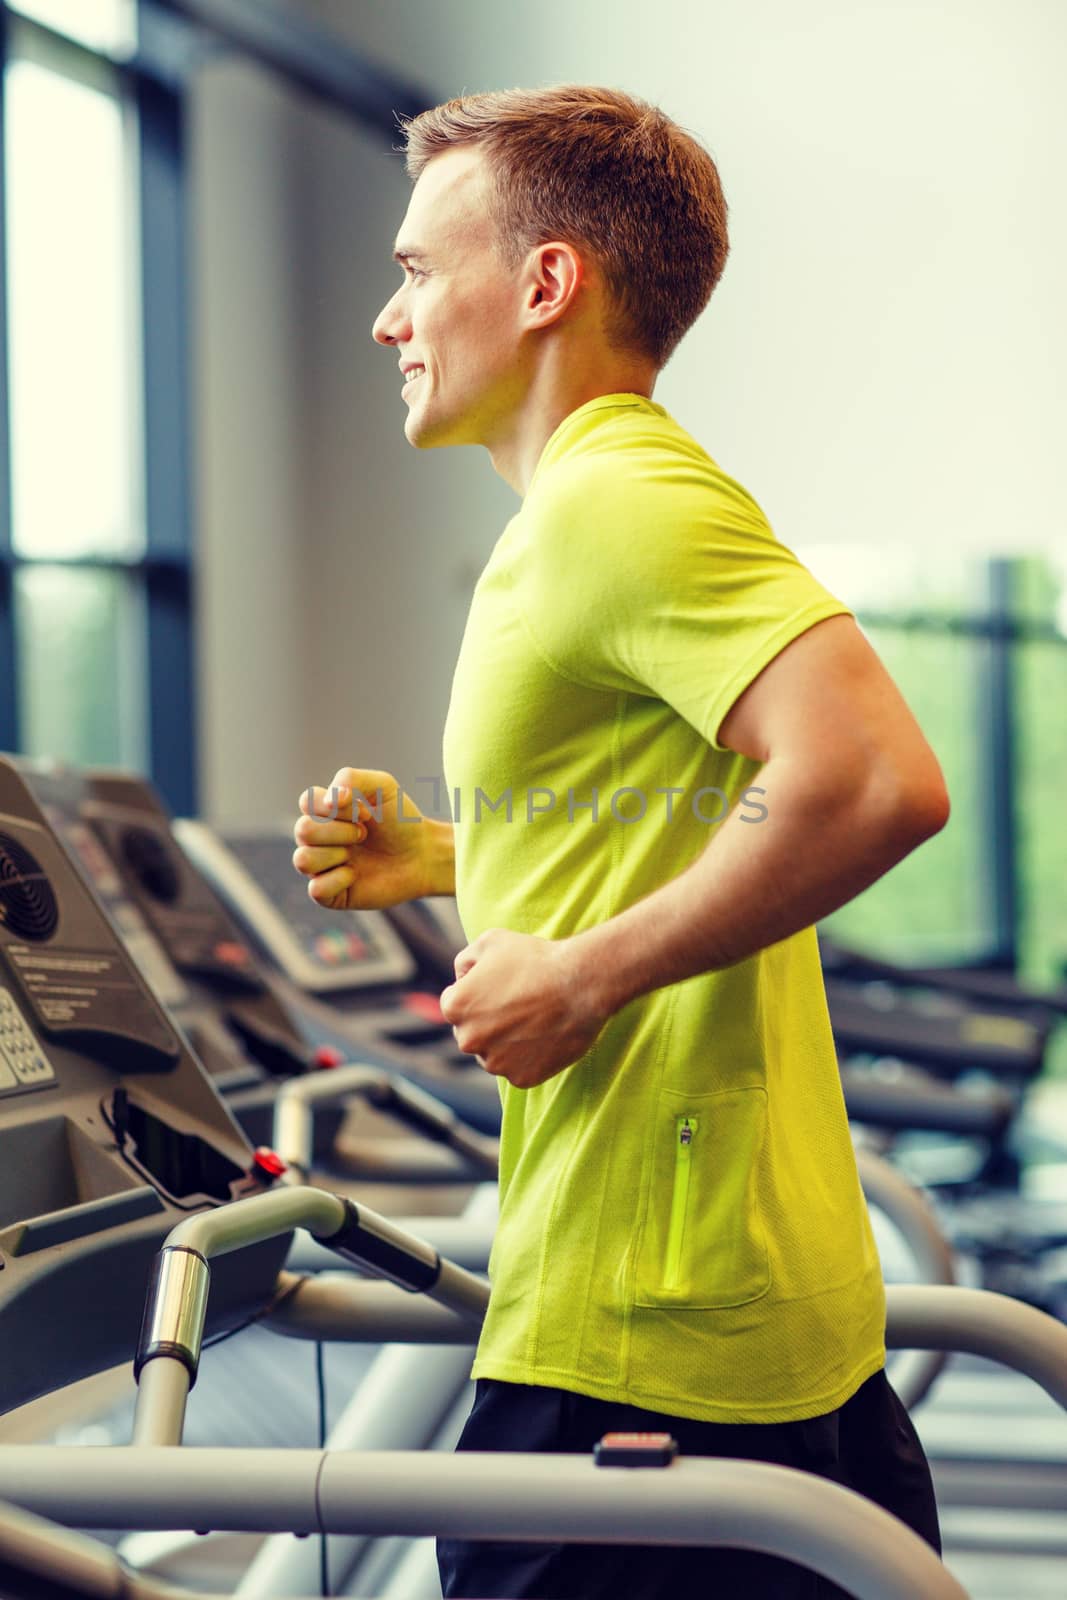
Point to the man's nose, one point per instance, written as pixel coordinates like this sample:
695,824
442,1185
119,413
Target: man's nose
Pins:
389,324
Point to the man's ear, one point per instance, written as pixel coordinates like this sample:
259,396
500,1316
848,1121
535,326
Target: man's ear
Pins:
559,274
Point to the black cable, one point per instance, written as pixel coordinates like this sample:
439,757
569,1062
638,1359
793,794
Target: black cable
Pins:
272,1305
320,1382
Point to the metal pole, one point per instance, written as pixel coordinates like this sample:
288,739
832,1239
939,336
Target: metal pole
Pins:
401,1404
461,1239
340,1308
980,1323
915,1372
162,1391
997,743
553,1498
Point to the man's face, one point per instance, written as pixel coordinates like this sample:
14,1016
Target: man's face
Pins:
456,313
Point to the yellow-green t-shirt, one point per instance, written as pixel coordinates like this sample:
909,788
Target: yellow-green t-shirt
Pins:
681,1222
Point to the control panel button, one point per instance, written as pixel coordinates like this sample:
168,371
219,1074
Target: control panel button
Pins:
426,1006
325,1057
269,1161
23,1063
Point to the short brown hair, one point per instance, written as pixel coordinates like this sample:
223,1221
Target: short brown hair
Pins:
601,169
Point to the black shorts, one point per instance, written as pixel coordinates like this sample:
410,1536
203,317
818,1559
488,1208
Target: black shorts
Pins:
868,1444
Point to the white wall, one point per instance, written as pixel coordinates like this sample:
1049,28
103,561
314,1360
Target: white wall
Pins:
882,364
885,356
335,564
247,305
394,538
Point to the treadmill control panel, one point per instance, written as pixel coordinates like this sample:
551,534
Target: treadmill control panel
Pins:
138,938
319,950
23,1063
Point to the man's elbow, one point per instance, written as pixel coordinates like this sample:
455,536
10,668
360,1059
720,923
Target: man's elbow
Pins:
932,811
920,805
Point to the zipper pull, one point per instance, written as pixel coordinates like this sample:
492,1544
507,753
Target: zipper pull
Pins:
686,1134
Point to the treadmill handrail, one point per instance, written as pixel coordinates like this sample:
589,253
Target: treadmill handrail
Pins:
39,1556
917,1102
981,1323
1010,1046
984,985
911,1214
694,1501
293,1134
908,1209
168,1351
918,1317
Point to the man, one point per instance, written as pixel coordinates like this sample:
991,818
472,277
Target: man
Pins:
671,752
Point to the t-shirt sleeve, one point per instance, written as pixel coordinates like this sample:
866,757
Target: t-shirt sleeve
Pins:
672,586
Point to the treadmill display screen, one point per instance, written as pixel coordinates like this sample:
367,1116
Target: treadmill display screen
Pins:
317,949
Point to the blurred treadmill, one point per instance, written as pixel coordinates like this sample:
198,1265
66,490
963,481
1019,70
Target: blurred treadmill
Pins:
204,967
991,987
947,1077
318,964
110,1129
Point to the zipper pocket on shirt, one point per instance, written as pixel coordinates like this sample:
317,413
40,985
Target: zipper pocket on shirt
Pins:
685,1130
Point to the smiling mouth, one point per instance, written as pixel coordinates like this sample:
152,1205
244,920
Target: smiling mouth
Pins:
408,383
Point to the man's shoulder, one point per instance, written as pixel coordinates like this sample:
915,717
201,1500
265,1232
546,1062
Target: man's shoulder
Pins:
627,441
623,472
646,471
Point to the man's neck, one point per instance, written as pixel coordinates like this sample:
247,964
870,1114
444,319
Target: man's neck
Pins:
515,458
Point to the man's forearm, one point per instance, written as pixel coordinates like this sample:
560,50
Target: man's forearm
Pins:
757,883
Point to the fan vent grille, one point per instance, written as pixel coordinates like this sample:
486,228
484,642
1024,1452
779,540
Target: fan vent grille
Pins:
28,906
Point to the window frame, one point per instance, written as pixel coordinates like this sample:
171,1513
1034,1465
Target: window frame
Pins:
160,576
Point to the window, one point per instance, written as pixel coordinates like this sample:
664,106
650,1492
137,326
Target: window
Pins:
74,436
934,905
107,25
1040,707
71,318
95,647
931,622
81,672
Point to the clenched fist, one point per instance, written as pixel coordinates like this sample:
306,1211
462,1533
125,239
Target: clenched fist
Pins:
521,1006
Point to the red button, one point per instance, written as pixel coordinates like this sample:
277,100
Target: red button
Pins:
269,1161
231,953
326,1056
427,1006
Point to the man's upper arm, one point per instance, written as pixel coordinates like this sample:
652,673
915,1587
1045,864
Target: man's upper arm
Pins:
827,700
